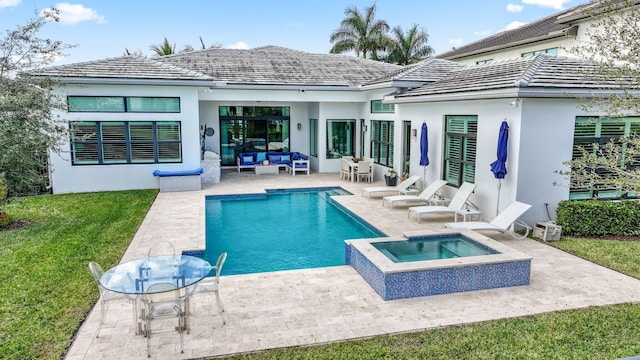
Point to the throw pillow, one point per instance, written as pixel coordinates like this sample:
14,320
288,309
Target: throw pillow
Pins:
261,156
274,158
247,159
285,158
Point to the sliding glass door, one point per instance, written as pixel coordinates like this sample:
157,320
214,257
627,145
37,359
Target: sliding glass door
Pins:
252,129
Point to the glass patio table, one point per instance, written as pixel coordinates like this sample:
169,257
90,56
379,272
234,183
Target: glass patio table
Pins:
136,276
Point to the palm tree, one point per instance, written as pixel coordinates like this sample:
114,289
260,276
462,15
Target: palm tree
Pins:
360,33
165,48
410,47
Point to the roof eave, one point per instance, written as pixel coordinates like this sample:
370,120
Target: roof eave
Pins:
238,86
529,92
131,81
572,31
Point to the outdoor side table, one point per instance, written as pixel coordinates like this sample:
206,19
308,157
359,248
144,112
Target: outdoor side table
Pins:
467,214
409,191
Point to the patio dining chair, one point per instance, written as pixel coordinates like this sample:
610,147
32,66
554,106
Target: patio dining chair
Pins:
345,169
364,171
212,284
162,247
163,301
106,295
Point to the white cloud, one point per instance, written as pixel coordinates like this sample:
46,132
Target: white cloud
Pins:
9,3
483,33
514,8
455,42
514,24
76,13
239,45
555,4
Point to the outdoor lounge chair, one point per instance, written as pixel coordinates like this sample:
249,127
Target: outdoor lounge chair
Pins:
457,203
424,196
501,223
394,189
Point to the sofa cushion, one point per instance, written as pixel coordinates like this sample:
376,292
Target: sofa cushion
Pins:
262,156
274,158
247,159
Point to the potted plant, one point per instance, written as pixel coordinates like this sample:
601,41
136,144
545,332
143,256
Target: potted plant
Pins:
391,177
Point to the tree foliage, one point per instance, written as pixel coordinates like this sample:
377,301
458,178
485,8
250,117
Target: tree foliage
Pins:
369,38
614,47
28,126
164,48
360,33
410,47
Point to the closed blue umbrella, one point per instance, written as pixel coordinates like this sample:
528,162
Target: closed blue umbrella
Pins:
499,167
424,150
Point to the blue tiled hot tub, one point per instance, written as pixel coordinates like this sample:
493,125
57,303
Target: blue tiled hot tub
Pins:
502,266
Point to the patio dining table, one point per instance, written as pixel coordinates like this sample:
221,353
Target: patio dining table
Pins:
136,276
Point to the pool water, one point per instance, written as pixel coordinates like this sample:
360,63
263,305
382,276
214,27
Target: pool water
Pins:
432,248
283,229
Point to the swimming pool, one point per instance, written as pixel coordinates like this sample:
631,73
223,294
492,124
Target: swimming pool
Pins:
281,229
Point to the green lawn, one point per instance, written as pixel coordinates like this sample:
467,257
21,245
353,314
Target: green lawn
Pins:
47,291
46,288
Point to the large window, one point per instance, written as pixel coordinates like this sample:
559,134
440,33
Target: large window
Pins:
123,104
460,149
340,138
592,133
125,142
382,142
377,106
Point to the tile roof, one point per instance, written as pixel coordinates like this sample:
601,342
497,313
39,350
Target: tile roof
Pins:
270,65
425,71
278,65
546,28
125,67
539,72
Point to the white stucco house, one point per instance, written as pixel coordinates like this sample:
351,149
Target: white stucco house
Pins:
132,115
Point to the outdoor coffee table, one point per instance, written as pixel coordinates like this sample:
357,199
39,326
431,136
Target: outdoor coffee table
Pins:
267,169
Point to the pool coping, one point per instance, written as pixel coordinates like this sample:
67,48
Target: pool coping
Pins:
387,266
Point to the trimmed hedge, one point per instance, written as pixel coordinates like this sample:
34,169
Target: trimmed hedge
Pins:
599,218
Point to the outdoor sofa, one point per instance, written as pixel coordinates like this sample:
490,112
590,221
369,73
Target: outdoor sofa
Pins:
291,161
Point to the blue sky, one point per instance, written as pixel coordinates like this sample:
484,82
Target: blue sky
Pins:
102,29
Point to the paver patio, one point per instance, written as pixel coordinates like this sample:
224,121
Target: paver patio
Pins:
313,306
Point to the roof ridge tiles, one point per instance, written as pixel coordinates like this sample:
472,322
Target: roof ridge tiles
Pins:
531,71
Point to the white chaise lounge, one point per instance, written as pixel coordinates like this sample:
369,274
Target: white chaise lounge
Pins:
423,197
501,223
457,203
391,189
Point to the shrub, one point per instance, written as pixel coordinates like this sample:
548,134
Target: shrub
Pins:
599,218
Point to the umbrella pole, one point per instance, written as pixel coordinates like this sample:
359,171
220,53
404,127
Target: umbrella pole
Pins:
498,202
